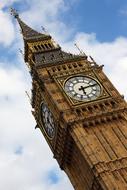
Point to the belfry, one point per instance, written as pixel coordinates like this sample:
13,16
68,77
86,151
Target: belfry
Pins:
80,113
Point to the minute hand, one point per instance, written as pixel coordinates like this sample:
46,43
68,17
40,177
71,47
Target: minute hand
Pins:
90,86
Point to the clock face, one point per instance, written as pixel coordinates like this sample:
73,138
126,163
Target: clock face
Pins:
82,88
48,121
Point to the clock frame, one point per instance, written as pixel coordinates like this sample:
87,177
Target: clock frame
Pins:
61,80
82,88
47,121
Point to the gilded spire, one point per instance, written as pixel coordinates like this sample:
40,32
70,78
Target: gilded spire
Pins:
27,32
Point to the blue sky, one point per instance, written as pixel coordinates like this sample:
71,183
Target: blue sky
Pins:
106,18
99,28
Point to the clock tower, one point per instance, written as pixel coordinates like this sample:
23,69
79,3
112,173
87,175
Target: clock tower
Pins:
80,113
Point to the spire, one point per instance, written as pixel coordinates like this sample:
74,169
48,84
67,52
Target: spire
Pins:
45,45
27,32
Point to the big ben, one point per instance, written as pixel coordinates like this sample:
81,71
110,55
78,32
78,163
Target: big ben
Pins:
80,113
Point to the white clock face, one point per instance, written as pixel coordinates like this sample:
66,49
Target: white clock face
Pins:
48,121
82,88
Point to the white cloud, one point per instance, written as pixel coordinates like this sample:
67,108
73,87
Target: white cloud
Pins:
13,82
45,11
6,29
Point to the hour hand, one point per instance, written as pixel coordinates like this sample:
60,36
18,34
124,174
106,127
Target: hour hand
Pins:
83,89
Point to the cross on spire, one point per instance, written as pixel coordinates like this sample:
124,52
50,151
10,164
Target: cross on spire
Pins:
14,12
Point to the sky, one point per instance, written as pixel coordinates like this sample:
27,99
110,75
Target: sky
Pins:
99,28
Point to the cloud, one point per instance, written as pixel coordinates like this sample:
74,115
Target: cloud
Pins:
6,29
13,82
19,150
49,12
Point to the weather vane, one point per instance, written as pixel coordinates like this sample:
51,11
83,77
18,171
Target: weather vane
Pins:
14,12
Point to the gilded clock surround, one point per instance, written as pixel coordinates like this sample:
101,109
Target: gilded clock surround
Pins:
91,137
61,81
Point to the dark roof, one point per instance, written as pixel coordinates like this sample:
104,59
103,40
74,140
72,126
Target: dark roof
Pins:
29,33
56,57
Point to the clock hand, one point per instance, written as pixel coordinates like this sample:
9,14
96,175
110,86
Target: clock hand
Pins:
89,86
83,89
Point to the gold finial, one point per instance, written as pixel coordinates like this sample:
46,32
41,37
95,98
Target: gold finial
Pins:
14,12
